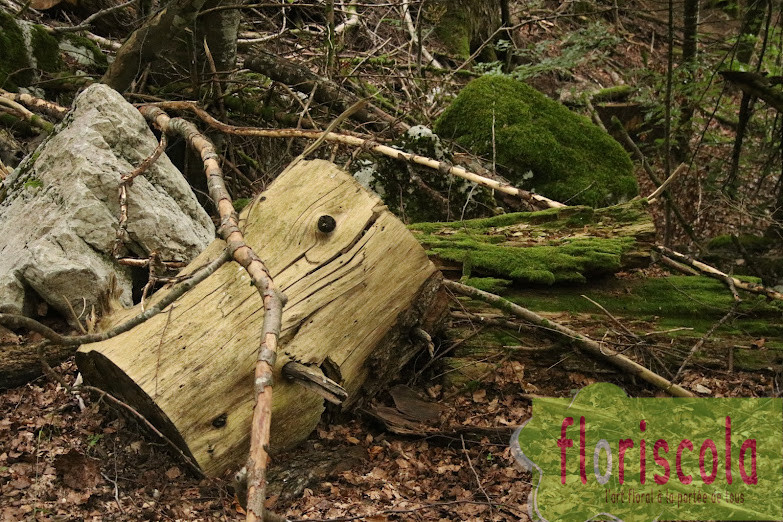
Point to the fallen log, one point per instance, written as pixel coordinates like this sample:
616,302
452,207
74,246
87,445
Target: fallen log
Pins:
357,284
19,363
592,347
559,245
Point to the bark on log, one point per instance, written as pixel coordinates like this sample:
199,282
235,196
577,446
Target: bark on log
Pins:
354,294
19,363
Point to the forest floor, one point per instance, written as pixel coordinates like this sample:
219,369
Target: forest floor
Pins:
62,460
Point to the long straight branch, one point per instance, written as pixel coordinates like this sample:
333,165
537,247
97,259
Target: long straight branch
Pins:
717,274
355,141
584,342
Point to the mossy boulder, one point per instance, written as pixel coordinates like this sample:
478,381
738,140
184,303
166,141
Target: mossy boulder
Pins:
26,49
544,146
28,52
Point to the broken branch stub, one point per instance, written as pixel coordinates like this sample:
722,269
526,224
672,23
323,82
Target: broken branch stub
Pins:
355,291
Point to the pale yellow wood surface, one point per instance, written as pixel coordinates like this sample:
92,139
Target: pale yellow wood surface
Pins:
345,292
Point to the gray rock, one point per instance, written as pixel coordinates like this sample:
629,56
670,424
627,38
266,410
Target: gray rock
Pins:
59,218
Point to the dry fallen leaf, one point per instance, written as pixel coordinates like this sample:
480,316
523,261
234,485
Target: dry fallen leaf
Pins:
78,471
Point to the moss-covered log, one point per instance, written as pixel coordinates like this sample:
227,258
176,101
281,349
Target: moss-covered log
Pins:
357,284
563,245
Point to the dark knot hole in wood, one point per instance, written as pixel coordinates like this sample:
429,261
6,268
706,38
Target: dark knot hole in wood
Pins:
326,224
220,420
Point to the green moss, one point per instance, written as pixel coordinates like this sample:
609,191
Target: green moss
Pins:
676,301
21,60
546,247
751,243
569,158
19,126
453,31
15,64
613,94
241,203
564,263
85,46
45,49
487,284
33,183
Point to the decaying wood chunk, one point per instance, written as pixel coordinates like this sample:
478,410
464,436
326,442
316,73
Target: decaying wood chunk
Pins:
357,284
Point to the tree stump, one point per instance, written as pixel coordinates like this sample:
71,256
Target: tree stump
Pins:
357,284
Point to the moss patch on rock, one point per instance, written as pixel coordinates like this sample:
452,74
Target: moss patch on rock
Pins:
565,245
544,146
14,66
25,49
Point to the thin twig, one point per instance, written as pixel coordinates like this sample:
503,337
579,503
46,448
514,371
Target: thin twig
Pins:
90,19
615,320
475,475
700,342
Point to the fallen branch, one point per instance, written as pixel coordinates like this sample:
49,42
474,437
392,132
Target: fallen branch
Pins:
721,276
414,38
25,114
355,141
38,104
273,300
125,182
671,263
731,313
657,192
589,345
757,85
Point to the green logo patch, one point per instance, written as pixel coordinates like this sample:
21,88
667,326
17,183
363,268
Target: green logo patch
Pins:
605,456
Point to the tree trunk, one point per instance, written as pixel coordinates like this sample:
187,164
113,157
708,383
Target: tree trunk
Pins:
465,25
168,44
689,52
357,284
751,25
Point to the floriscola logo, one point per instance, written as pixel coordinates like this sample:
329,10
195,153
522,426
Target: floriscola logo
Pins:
605,456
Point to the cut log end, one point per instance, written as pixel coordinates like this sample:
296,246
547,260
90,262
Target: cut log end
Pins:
357,284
